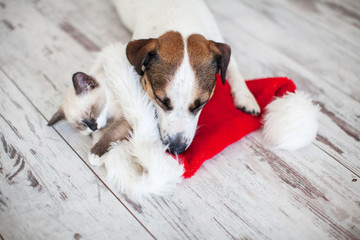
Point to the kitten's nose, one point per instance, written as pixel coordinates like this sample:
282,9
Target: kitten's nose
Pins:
91,123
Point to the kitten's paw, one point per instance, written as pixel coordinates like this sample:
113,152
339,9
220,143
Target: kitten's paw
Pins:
95,160
247,103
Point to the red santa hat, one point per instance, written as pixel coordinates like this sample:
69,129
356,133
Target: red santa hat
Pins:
289,120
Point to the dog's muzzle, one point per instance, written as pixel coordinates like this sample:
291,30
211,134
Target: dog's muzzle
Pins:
177,144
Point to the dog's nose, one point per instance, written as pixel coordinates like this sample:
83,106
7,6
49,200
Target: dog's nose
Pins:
91,123
177,145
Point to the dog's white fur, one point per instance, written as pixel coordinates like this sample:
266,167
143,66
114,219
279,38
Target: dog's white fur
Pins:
290,122
180,120
150,19
140,166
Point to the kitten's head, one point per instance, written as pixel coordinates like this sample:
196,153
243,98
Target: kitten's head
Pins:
85,105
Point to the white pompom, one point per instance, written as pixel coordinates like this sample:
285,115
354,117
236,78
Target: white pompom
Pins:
290,122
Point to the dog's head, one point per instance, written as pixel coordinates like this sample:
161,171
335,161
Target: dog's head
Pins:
179,75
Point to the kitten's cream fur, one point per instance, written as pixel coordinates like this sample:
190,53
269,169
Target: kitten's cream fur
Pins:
90,107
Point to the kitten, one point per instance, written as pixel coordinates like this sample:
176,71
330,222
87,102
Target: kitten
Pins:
90,107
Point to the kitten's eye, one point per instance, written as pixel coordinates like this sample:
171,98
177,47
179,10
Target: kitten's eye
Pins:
82,126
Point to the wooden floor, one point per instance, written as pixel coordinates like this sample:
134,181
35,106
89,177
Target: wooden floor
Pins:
49,191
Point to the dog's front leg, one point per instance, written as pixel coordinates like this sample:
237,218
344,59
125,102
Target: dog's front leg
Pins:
243,98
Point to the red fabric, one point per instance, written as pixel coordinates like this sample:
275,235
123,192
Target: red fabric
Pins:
221,123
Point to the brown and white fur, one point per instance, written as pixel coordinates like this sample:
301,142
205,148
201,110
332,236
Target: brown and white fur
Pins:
106,104
140,166
89,106
178,49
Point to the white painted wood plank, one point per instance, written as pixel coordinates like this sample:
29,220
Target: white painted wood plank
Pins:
340,17
282,195
227,198
97,21
46,192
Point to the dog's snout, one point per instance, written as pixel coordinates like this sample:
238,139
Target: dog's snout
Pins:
177,145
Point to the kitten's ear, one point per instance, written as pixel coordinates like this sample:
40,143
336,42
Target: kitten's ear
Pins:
59,115
83,83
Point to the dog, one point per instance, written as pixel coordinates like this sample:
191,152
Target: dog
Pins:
178,50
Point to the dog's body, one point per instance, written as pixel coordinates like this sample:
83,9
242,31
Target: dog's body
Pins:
151,19
177,52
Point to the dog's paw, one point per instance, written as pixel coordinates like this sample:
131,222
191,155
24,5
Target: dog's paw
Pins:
95,160
247,103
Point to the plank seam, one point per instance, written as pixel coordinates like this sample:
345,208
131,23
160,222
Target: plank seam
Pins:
335,158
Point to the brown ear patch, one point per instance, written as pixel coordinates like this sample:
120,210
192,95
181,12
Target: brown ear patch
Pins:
156,60
202,60
171,48
222,53
140,51
170,55
207,58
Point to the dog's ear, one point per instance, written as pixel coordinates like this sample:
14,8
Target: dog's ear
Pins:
59,115
140,52
83,83
222,55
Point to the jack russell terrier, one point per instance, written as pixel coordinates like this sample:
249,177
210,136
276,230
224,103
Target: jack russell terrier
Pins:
178,50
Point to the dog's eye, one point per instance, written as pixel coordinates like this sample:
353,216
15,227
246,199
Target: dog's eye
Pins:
197,106
164,102
147,60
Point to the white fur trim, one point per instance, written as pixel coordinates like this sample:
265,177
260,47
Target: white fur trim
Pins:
138,167
141,172
290,122
95,160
